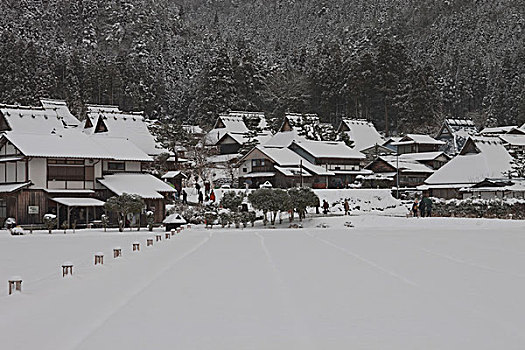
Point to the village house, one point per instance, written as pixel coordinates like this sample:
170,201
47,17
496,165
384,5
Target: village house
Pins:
337,157
502,188
51,166
480,158
411,171
281,167
417,143
455,132
235,122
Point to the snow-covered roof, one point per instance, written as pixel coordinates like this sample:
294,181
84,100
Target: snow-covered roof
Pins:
9,188
498,129
329,149
406,164
422,156
292,171
193,129
283,139
246,115
71,143
144,185
513,139
362,133
31,119
285,157
460,123
491,159
61,108
241,138
79,202
174,219
172,174
127,125
418,139
297,118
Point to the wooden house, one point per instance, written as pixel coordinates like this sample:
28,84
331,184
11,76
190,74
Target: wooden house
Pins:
282,167
337,157
411,172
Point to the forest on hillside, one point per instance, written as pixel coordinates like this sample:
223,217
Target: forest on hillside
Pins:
403,64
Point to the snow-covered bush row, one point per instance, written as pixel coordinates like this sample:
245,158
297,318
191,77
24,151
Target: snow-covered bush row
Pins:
510,208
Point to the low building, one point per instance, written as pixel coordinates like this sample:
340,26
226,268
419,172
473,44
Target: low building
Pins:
337,157
411,172
495,189
281,167
480,158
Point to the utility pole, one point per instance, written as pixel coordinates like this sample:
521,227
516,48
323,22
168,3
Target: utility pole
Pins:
301,171
397,176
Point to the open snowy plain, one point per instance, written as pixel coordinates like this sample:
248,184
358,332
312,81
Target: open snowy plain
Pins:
387,283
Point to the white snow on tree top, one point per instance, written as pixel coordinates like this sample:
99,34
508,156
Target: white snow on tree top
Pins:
144,185
362,133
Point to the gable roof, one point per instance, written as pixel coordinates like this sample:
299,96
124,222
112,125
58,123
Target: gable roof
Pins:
498,129
61,108
480,158
30,119
112,122
283,139
73,144
513,139
362,133
144,185
329,149
286,158
406,164
417,139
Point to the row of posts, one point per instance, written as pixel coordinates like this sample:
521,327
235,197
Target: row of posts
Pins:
15,283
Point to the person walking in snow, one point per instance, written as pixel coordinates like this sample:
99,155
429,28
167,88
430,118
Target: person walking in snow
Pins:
212,196
184,197
201,197
422,208
325,206
347,207
415,208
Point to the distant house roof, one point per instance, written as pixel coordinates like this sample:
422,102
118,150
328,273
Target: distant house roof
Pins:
454,132
144,185
498,130
480,158
417,139
293,120
513,139
362,133
110,121
233,122
283,139
241,138
423,156
329,149
173,174
406,164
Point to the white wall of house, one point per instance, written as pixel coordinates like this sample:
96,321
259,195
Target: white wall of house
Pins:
38,172
2,172
10,172
20,171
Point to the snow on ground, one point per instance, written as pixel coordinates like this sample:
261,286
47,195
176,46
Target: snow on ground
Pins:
387,283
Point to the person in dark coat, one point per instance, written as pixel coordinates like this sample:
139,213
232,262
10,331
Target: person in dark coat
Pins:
427,202
201,197
422,208
184,197
325,207
347,207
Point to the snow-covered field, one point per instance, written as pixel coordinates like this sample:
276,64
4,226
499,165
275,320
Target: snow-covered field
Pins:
387,283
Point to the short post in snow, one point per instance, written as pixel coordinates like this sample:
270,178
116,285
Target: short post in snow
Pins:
99,259
117,252
149,242
189,226
136,246
67,269
158,238
178,229
167,236
172,232
15,284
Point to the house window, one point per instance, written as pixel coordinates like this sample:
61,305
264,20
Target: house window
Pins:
257,162
244,170
3,208
117,166
65,173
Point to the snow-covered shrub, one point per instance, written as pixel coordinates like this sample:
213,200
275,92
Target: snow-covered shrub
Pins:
50,220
